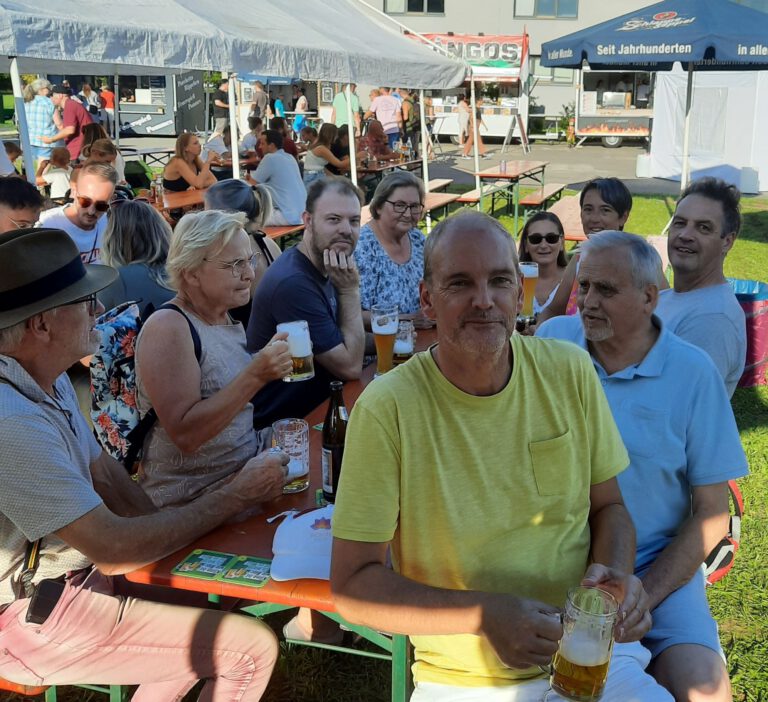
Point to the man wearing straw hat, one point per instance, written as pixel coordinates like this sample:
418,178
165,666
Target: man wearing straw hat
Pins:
72,521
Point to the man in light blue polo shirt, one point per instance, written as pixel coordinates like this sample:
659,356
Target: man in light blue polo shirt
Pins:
673,413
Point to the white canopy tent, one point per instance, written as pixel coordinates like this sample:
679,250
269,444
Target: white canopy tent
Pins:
336,40
727,138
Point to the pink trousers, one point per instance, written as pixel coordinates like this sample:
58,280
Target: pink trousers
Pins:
95,636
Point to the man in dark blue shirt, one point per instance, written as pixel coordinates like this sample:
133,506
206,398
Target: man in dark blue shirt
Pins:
316,281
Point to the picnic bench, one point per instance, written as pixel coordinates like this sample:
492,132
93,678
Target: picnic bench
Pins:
541,196
438,184
281,234
498,189
568,211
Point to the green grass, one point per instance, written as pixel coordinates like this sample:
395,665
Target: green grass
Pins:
739,602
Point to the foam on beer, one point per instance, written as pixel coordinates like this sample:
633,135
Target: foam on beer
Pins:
581,649
384,325
403,347
299,343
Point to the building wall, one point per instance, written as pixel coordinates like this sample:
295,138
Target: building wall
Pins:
498,17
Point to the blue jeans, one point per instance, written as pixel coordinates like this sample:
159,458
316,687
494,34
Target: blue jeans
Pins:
392,138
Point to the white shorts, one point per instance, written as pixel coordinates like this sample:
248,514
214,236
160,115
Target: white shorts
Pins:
627,682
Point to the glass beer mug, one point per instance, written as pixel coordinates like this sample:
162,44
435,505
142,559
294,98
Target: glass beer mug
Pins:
580,666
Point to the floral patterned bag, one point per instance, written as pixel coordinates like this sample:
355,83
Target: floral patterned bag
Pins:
116,420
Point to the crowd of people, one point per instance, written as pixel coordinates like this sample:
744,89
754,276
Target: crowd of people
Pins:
482,479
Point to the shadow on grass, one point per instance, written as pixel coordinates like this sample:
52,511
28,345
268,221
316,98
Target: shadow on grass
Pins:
755,223
750,406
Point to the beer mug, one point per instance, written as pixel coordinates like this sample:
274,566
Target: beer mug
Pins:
384,326
404,342
300,347
530,273
580,666
292,436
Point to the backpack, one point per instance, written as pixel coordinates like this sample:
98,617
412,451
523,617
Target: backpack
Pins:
116,420
720,560
138,174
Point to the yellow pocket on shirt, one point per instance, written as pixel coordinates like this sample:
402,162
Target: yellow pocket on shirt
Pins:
552,461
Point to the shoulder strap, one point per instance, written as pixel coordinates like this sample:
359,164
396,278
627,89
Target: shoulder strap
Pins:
260,238
138,434
195,336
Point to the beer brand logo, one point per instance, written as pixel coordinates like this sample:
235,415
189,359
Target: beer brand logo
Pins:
661,20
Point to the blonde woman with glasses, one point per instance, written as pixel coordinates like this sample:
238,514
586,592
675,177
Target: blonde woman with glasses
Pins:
204,433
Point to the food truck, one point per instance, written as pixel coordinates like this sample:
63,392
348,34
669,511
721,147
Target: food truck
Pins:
161,105
500,67
614,106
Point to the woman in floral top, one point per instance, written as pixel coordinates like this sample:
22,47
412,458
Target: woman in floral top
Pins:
390,253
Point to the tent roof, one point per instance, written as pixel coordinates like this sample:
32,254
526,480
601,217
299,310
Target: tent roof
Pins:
713,34
337,40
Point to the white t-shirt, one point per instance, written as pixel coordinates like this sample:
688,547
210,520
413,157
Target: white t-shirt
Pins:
89,241
58,179
249,143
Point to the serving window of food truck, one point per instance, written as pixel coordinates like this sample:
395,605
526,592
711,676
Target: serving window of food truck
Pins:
614,105
500,67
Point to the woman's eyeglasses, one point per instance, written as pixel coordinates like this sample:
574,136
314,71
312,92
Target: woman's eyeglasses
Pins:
401,207
98,205
238,266
536,239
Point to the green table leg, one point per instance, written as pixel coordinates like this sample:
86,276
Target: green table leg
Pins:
401,674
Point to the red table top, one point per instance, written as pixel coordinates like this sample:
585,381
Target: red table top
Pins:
253,537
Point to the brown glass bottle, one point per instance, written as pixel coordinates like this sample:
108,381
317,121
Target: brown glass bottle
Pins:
334,433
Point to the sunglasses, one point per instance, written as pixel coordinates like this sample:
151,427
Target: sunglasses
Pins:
536,239
86,202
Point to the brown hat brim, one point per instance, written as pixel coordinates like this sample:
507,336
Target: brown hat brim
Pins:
97,277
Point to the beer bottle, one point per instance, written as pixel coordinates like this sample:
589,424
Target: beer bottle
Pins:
334,433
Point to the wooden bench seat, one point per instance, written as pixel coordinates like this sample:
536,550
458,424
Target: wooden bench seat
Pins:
472,197
569,211
542,195
436,184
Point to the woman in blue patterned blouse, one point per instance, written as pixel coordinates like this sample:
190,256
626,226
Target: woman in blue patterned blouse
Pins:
390,253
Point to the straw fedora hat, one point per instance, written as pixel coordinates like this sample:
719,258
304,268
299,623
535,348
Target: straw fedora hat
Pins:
41,269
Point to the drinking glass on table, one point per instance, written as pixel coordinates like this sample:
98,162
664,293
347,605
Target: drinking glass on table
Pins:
300,346
404,342
530,273
292,437
580,666
384,324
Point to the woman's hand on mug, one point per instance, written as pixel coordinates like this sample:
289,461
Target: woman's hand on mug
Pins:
273,362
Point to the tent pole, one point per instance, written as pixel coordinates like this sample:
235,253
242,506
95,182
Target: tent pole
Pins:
424,152
21,118
475,132
234,150
351,132
116,116
686,170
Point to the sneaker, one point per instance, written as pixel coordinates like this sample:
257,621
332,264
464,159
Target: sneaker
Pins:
465,158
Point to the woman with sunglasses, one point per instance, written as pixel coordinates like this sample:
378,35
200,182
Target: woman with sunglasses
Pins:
136,243
204,431
186,170
255,202
390,251
543,243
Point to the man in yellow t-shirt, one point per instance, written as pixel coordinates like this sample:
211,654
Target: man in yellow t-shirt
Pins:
488,463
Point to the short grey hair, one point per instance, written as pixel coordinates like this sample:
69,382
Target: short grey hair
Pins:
197,235
644,260
398,179
10,337
471,220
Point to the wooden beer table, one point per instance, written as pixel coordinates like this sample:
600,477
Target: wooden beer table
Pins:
254,537
513,173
